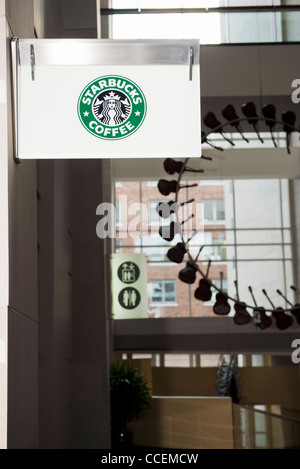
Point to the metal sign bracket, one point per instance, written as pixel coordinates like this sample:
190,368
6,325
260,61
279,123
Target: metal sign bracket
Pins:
15,59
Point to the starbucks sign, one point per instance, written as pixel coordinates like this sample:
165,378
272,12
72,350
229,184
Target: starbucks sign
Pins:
112,107
93,99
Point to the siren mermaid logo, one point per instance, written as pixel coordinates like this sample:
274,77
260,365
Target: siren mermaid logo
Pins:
112,107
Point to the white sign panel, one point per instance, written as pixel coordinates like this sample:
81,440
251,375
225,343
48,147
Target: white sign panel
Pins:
129,286
107,99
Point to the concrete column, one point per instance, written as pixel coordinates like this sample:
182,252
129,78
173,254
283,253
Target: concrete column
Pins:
90,358
55,302
18,251
4,227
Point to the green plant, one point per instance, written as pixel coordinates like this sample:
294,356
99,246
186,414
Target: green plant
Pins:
129,395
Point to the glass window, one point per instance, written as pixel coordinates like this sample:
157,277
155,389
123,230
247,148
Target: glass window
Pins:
257,203
118,247
152,183
156,292
174,360
245,235
214,210
261,427
217,282
155,249
118,212
208,209
211,27
168,26
153,214
154,217
215,246
163,291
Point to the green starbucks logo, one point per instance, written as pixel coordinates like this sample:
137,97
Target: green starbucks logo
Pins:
112,107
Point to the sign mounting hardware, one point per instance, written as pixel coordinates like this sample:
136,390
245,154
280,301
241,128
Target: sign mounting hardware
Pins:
32,62
191,55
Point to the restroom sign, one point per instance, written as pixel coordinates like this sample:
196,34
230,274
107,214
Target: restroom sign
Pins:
129,286
129,298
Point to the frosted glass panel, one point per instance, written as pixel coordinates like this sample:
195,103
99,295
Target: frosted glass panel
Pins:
210,27
287,236
201,26
261,440
290,26
259,252
289,281
285,203
261,274
250,27
258,236
257,203
288,252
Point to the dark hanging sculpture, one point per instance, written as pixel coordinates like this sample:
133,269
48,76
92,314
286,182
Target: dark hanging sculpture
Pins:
283,320
296,308
168,232
212,122
176,254
205,140
269,112
221,307
241,316
165,209
188,274
166,187
289,118
209,158
249,110
229,113
172,166
203,292
261,320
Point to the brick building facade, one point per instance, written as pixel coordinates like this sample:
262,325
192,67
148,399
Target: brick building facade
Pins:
138,231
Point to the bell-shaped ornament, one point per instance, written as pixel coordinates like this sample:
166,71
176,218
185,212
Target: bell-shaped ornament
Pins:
176,254
203,292
188,274
172,166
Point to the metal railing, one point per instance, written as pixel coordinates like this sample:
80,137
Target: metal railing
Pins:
258,429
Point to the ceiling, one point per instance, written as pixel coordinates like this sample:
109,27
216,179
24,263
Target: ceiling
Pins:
66,18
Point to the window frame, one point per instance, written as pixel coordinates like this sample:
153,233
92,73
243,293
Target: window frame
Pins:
215,220
283,263
164,302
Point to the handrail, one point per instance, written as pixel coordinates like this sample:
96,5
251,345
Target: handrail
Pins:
237,9
270,414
